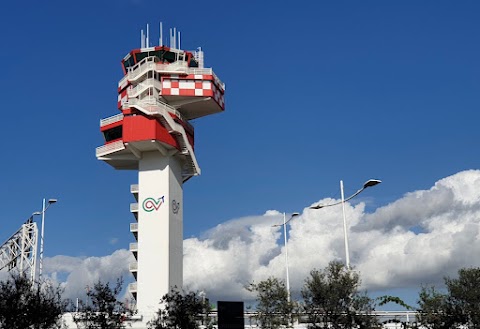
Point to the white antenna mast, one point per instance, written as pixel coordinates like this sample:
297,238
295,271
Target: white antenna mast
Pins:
199,57
148,37
179,47
160,41
142,39
172,38
175,37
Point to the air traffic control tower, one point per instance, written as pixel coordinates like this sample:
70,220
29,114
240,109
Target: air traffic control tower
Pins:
163,88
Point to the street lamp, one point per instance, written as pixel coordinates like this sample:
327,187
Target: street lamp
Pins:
286,247
369,183
44,209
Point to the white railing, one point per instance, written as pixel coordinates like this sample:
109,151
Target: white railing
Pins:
142,63
134,246
110,120
134,207
151,63
154,101
132,287
133,266
175,67
149,101
138,70
109,148
133,227
134,188
144,85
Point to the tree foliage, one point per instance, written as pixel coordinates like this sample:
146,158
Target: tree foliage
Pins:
382,300
273,307
458,308
182,310
432,312
103,309
332,299
23,305
464,297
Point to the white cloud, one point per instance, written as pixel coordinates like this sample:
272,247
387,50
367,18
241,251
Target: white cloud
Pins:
419,238
75,274
230,254
415,240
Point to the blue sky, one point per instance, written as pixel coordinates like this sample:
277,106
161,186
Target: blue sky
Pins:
317,91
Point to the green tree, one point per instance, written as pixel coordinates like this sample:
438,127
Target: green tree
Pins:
332,299
103,309
432,311
182,310
273,307
463,302
459,307
23,305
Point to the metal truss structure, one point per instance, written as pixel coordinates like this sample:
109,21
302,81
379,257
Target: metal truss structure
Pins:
19,253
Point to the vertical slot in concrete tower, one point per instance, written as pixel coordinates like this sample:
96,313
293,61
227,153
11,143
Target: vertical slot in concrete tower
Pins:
162,90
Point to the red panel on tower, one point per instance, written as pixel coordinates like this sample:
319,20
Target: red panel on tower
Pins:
139,128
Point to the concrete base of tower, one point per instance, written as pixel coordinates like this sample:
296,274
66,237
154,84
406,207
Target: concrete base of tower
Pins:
160,229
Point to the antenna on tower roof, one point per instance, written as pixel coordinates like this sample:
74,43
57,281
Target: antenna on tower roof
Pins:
148,37
198,54
175,37
172,38
160,40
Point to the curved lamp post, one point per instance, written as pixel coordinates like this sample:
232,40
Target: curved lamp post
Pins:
286,247
369,183
44,209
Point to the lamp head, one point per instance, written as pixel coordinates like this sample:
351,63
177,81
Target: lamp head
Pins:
371,182
318,206
295,214
50,201
36,213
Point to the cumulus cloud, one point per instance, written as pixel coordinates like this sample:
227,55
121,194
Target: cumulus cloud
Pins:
224,261
75,274
417,239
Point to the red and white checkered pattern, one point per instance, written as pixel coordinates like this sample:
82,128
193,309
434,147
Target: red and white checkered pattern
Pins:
192,85
218,96
196,85
122,98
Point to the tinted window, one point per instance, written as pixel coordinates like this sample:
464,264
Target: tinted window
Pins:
112,134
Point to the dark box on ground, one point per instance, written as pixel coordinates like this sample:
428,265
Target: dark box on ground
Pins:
230,315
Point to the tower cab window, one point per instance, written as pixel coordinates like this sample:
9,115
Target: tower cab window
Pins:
113,134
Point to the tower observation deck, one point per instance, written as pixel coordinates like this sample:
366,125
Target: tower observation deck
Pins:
162,89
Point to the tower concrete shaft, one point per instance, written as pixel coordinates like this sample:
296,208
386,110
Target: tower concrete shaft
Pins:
160,236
